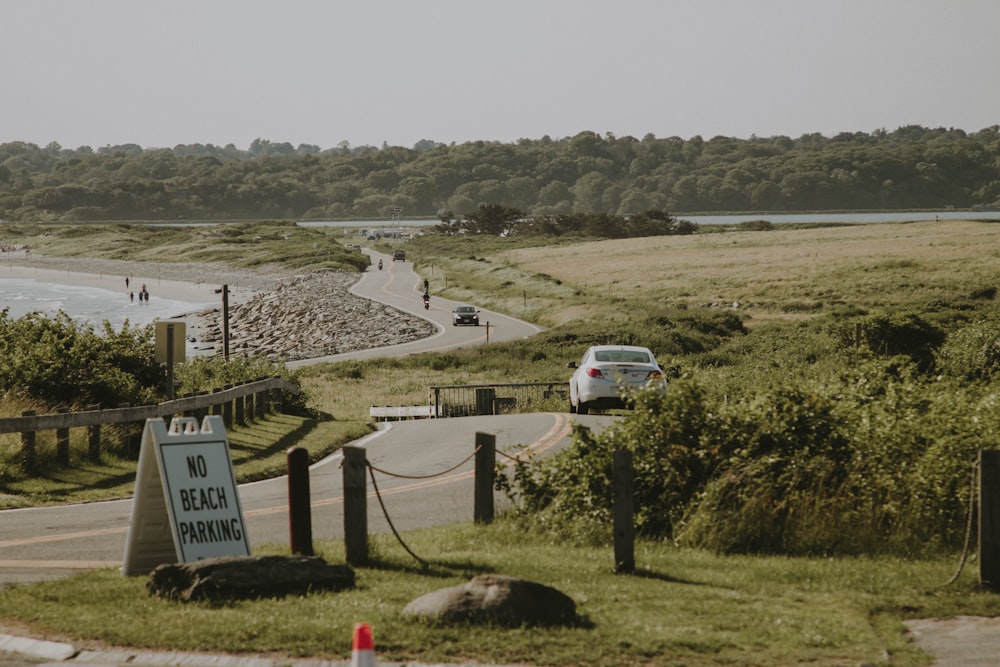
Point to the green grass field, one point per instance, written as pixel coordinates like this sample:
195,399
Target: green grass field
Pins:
683,606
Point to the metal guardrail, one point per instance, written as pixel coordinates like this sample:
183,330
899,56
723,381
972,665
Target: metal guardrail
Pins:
497,398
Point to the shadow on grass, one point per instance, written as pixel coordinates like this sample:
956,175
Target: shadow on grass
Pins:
660,576
435,569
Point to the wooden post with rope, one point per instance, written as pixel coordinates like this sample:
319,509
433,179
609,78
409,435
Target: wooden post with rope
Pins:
486,448
355,505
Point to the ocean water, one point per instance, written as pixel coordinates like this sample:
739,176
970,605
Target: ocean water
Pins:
89,304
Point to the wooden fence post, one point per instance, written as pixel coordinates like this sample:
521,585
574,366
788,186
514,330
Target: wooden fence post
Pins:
299,507
62,442
624,511
989,519
260,401
241,412
124,429
94,439
486,456
355,505
29,457
227,410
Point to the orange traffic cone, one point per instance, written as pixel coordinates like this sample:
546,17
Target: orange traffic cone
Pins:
363,649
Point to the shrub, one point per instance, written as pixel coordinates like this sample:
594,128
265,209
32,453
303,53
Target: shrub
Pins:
972,352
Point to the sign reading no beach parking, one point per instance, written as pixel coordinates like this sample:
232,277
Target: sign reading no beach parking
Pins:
186,505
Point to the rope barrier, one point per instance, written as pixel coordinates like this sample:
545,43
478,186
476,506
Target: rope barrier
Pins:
385,513
968,527
516,459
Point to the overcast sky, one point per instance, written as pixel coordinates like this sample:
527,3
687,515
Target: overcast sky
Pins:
159,73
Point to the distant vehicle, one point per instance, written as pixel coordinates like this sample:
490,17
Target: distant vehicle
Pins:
399,255
605,370
465,315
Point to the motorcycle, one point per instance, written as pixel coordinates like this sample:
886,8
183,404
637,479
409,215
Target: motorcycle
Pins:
380,265
427,301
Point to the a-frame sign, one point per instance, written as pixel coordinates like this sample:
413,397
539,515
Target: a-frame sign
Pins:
186,506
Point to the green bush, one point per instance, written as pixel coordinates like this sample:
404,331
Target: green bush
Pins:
60,362
875,459
972,352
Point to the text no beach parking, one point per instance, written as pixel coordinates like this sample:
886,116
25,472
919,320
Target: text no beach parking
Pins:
186,505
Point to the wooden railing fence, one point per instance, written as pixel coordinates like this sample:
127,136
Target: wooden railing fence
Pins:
237,404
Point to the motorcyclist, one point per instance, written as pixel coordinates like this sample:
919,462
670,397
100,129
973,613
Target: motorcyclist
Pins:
427,301
380,265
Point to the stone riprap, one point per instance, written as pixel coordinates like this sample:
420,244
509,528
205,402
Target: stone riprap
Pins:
308,316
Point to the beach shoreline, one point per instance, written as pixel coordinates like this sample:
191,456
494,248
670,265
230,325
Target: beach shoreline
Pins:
195,282
274,313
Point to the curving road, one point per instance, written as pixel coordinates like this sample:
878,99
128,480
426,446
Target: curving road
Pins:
41,543
398,285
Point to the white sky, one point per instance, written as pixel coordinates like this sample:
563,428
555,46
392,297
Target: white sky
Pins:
163,72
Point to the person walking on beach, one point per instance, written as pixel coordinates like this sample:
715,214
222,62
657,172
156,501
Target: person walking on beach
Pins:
131,297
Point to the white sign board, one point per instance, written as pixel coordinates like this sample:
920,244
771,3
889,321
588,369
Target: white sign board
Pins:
186,506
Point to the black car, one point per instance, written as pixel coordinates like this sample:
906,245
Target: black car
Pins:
465,315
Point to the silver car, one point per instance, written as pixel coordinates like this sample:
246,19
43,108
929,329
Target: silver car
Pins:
605,371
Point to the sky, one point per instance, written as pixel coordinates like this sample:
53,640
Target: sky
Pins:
370,72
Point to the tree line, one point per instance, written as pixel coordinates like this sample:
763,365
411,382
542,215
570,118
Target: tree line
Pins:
912,167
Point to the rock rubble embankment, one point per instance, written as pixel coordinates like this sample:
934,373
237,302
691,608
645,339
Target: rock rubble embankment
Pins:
306,317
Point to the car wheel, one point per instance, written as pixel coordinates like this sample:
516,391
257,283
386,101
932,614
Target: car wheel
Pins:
572,408
582,408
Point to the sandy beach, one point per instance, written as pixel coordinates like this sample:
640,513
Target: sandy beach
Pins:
185,282
274,313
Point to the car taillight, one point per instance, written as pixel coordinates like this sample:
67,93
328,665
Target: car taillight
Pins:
654,375
595,373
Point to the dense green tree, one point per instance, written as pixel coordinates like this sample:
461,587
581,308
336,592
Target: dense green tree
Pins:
911,167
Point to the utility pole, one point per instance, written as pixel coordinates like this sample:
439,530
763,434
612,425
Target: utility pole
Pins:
224,290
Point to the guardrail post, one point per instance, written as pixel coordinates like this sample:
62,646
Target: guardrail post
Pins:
624,511
201,413
217,407
62,442
355,505
989,519
248,410
260,403
241,411
486,452
299,507
123,435
29,458
94,439
227,410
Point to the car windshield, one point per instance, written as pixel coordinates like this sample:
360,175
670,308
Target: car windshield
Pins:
622,356
465,309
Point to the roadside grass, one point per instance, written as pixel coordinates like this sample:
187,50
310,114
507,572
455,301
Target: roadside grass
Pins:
681,607
770,274
249,245
259,452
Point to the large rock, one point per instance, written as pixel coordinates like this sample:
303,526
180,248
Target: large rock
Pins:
238,578
492,598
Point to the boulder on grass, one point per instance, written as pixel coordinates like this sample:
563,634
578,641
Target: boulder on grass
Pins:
247,577
493,598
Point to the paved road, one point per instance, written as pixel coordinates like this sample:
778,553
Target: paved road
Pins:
49,542
44,543
398,285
